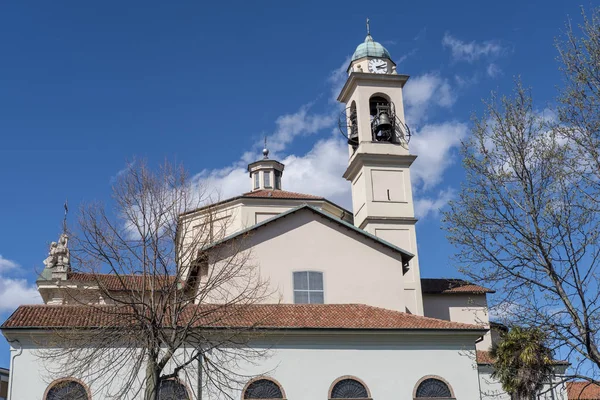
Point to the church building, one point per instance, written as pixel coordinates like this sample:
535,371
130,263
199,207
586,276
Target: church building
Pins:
351,316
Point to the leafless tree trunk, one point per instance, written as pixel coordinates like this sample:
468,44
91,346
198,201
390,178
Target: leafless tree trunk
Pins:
150,274
527,219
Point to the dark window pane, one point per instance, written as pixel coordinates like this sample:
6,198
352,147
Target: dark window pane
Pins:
301,280
349,389
316,297
256,180
432,388
263,389
67,390
315,281
172,390
301,297
267,179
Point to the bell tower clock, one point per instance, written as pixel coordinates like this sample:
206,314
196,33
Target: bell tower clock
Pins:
379,164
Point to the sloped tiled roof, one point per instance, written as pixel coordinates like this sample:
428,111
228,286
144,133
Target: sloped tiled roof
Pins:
260,316
583,391
451,286
281,194
118,282
484,357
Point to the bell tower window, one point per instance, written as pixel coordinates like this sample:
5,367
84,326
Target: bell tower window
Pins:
267,179
382,119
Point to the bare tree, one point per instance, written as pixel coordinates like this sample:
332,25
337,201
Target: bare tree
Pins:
527,219
153,296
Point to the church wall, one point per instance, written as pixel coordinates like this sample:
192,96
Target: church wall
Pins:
355,269
389,365
306,365
33,373
467,308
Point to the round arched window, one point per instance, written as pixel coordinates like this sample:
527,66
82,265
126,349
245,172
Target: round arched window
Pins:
433,388
349,389
171,389
263,389
67,390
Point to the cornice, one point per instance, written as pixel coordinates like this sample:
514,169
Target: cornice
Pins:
393,80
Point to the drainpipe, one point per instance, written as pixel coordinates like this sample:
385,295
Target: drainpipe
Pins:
12,367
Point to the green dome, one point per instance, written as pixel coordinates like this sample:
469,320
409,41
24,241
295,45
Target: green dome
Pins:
370,48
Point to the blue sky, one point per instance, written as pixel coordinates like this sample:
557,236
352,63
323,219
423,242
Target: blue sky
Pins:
85,87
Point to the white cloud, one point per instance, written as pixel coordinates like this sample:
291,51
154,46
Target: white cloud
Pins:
424,91
471,51
320,171
493,70
337,79
434,144
302,122
426,206
14,292
6,264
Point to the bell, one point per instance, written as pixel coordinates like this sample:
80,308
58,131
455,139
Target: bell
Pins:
384,122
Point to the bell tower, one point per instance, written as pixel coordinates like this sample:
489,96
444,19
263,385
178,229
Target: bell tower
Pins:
379,164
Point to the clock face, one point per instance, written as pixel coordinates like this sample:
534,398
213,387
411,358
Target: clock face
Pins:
377,66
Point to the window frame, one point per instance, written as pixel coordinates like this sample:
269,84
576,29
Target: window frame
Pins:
351,377
256,180
260,378
67,379
185,387
436,377
277,176
267,179
308,291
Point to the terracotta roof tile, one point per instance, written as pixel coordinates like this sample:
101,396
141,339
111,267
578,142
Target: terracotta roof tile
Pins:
281,194
116,282
451,286
583,391
266,316
484,357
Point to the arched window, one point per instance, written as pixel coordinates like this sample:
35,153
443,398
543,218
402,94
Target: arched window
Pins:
348,388
263,389
172,389
67,389
433,388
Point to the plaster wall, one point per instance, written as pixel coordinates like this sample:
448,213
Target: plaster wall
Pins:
467,308
390,365
491,389
355,269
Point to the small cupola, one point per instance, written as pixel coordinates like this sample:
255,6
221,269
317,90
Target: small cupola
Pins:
266,174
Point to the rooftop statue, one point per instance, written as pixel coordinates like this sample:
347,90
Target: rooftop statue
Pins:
59,257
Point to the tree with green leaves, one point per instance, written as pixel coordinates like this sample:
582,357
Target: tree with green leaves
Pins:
523,363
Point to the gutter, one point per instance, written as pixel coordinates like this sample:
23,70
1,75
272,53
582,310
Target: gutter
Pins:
12,367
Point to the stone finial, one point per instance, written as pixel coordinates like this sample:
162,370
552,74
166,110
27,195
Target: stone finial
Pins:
59,257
